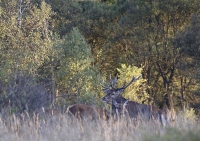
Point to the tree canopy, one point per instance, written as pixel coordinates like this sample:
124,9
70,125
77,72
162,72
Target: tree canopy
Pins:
69,47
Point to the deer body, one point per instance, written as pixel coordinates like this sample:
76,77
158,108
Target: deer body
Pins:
133,109
147,111
87,112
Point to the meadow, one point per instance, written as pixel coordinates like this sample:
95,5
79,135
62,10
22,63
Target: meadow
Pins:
61,127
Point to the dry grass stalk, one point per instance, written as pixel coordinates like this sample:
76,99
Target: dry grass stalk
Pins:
26,127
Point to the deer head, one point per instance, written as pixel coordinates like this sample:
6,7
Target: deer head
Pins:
115,93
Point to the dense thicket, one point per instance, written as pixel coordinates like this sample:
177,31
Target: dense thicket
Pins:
58,52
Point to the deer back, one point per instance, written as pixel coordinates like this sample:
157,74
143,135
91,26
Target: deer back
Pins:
135,109
87,112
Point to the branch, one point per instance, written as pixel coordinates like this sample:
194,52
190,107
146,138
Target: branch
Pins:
21,10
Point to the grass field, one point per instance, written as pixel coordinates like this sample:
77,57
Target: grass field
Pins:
61,127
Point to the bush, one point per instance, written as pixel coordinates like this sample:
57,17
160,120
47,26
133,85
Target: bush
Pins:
24,93
189,114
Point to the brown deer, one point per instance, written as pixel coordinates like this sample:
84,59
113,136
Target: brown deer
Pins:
133,109
86,112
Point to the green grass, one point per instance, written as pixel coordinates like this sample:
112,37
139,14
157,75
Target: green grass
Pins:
61,128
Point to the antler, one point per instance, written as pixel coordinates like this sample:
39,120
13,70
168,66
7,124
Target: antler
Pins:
133,79
112,83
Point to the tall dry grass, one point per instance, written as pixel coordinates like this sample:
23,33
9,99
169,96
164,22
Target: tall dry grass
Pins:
61,127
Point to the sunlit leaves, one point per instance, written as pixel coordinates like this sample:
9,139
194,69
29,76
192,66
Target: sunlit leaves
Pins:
27,47
137,90
76,73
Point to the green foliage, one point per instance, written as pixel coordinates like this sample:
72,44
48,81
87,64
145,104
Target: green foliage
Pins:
187,40
24,48
136,91
76,75
163,36
25,43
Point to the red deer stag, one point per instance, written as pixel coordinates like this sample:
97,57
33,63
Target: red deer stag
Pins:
86,112
133,109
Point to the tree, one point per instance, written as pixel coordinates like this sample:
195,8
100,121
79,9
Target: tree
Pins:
25,42
187,41
24,48
76,74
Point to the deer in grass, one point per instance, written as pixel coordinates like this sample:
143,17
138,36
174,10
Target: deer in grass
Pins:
169,112
131,108
86,112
